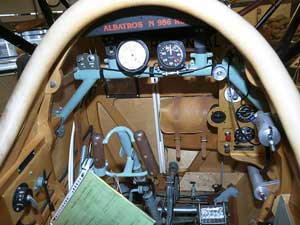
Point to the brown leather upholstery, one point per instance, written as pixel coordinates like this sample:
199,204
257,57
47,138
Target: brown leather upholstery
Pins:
185,116
190,114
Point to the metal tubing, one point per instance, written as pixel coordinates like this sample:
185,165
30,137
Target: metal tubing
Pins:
82,157
46,12
159,137
292,52
260,192
251,7
185,209
65,3
239,82
151,204
76,98
269,13
129,151
16,40
71,158
285,41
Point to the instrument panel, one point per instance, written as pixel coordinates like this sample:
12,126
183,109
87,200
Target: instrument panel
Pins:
132,56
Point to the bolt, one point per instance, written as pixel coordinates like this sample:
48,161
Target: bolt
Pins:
91,58
227,133
226,148
58,111
52,84
30,173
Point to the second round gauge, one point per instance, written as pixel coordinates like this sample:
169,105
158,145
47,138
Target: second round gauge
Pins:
171,55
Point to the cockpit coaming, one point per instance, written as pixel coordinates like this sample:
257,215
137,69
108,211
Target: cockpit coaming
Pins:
150,117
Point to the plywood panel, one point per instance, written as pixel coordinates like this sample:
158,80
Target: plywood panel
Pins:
205,180
7,84
186,158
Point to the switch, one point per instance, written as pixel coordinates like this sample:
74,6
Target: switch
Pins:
227,136
226,147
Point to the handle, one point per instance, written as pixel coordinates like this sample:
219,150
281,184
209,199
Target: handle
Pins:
98,151
146,152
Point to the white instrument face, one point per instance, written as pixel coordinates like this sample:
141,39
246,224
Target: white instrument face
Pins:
132,56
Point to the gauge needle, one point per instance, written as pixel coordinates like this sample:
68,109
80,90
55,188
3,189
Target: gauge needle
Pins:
170,48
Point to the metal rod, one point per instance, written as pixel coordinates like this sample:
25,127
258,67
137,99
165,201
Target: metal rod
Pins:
46,12
251,7
71,158
65,3
185,209
292,52
222,172
16,40
292,27
159,137
28,14
269,13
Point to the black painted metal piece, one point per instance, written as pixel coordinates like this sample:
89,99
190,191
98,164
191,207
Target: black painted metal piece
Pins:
282,49
65,3
45,186
26,161
46,12
172,191
16,40
269,13
251,7
20,197
292,52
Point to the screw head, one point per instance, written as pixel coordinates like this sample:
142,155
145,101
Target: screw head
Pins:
52,84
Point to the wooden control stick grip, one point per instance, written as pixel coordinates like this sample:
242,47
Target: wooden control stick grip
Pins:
146,152
98,151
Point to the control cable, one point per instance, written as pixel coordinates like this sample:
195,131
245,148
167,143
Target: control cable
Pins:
170,73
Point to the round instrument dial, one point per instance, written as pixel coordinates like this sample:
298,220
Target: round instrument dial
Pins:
245,113
171,55
132,56
244,134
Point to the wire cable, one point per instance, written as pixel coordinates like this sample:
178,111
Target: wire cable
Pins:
167,73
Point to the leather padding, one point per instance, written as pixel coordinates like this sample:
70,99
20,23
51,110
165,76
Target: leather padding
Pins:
187,116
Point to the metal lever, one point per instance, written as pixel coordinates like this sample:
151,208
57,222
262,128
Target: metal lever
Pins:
146,152
98,151
32,201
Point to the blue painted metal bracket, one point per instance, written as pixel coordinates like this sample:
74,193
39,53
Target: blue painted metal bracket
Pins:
240,83
133,167
89,78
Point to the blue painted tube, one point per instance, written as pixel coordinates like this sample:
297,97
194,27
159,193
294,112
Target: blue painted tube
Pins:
239,82
76,98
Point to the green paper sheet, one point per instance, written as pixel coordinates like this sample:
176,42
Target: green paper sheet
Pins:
96,203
